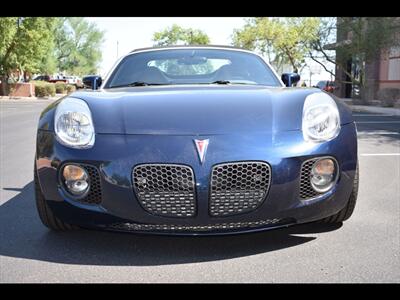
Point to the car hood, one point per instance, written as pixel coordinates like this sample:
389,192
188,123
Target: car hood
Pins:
196,110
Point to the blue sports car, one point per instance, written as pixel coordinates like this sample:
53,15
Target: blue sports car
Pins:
195,140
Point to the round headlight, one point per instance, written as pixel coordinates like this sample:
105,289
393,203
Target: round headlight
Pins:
321,121
76,179
73,124
323,175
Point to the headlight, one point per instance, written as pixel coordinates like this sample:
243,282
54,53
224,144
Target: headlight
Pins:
73,124
321,121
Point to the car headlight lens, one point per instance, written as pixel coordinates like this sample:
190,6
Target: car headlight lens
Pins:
73,124
321,121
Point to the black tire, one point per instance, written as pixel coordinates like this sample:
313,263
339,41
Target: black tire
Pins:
347,211
46,215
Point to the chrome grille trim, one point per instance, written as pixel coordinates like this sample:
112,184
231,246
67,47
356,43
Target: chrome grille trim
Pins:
165,189
238,187
194,228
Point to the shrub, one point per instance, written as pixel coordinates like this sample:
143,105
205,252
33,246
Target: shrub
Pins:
50,89
61,87
44,89
70,88
40,90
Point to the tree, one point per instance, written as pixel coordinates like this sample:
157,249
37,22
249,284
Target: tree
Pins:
281,40
77,45
24,45
175,35
360,40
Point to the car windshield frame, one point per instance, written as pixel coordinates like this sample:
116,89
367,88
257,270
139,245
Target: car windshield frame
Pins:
269,71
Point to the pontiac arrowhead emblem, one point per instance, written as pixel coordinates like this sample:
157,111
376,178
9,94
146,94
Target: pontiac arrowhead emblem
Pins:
201,146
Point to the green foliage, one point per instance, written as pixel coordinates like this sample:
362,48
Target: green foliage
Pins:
176,35
61,87
48,45
282,40
25,43
44,89
77,46
50,89
70,88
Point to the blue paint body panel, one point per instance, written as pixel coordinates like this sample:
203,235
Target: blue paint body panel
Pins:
158,125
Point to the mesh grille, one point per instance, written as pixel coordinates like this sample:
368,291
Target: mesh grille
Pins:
166,190
306,190
94,195
194,228
238,187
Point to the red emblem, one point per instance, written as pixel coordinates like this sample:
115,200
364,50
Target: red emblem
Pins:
201,146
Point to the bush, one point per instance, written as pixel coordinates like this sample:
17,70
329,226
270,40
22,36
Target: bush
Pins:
40,90
70,88
389,96
44,89
60,87
50,89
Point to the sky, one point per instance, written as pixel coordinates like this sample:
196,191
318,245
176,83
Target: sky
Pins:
132,33
122,35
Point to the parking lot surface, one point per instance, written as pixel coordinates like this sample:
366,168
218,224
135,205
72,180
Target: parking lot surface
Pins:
365,248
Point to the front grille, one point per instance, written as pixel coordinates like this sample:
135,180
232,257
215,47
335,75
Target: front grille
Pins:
198,228
165,189
306,190
238,187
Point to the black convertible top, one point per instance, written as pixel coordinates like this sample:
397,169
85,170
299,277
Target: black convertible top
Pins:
188,46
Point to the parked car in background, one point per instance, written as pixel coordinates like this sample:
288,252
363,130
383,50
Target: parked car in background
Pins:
326,85
42,78
74,80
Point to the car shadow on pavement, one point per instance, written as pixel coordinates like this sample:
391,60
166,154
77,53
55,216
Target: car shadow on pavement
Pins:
23,236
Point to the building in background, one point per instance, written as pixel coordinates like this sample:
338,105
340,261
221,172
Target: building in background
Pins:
382,74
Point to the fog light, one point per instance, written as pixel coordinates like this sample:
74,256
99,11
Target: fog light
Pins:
76,179
323,175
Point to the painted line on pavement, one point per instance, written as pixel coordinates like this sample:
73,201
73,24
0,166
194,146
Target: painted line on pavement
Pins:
380,154
359,115
378,122
377,132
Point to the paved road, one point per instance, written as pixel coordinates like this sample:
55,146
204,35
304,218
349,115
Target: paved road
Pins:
364,249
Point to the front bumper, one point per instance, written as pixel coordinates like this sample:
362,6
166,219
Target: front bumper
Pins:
116,155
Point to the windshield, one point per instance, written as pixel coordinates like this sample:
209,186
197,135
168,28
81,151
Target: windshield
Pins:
192,66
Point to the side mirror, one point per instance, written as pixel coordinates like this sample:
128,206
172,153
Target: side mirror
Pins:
92,82
290,78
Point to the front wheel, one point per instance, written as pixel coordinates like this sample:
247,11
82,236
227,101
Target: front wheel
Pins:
347,211
46,215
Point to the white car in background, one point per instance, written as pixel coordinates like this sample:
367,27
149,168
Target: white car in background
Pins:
74,80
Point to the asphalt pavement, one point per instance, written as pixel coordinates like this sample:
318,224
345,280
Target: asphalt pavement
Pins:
365,248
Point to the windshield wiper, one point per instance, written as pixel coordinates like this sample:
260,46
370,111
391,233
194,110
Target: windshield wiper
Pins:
137,83
220,82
